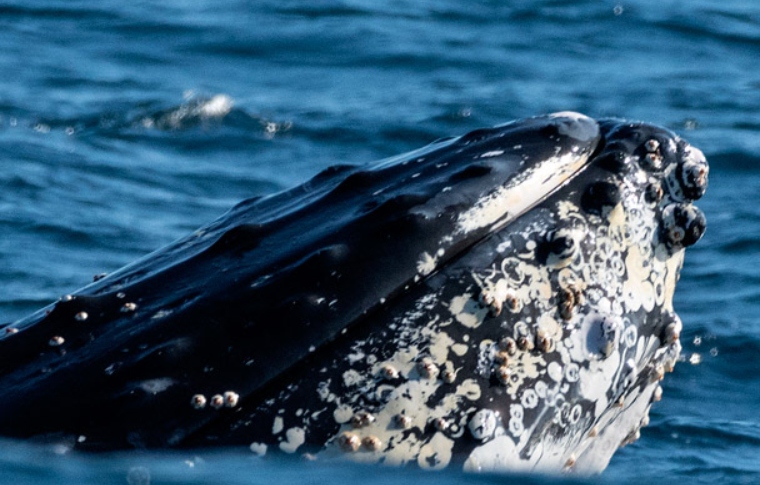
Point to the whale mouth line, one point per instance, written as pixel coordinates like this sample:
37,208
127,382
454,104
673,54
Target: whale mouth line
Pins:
502,300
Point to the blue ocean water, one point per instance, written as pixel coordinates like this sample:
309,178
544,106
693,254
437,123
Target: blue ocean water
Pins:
125,125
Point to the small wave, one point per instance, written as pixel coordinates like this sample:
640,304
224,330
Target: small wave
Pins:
197,112
208,112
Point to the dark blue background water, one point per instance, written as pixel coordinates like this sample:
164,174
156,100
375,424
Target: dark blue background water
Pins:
125,125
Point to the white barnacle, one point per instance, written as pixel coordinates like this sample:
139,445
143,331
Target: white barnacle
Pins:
511,301
501,357
81,316
653,192
349,441
658,373
389,372
449,376
231,399
362,419
566,295
577,289
198,401
372,443
56,341
491,301
544,342
403,421
645,421
441,424
525,343
128,307
566,310
427,368
503,374
509,345
694,172
673,332
217,401
672,353
652,161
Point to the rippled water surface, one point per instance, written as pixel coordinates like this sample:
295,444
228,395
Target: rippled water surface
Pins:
125,125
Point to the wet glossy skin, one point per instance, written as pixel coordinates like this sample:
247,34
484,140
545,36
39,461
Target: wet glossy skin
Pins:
502,300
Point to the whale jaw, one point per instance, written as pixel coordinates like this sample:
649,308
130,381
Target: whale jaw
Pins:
498,301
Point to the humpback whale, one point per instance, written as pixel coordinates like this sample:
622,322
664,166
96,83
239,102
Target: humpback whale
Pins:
502,300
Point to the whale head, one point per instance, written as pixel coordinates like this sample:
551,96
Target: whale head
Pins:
501,300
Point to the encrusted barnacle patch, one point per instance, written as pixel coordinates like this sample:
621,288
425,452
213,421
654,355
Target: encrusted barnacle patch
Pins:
539,333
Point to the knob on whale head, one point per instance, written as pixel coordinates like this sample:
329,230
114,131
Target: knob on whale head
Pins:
498,301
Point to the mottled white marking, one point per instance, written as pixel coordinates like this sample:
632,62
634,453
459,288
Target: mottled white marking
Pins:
426,264
260,449
436,453
154,386
467,311
352,378
343,414
521,193
294,437
493,153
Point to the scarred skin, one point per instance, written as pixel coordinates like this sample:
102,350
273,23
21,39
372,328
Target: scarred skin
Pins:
497,301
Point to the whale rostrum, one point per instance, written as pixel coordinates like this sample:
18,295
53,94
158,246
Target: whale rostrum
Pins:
501,300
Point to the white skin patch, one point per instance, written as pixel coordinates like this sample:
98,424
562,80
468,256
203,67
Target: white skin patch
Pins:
155,386
494,153
343,414
467,311
436,453
426,264
521,193
294,437
259,449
